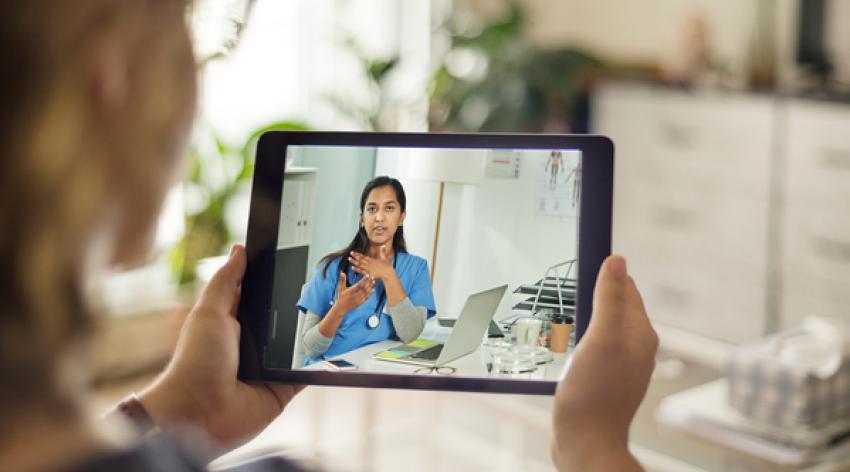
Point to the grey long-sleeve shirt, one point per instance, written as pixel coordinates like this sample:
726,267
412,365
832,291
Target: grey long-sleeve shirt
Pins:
408,320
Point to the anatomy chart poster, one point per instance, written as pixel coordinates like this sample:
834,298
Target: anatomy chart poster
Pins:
558,184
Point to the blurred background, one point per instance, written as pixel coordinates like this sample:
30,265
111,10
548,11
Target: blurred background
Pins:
730,120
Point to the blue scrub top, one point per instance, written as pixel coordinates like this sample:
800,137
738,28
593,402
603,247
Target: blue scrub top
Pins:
354,330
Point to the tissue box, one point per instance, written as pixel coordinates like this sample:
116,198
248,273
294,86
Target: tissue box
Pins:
766,389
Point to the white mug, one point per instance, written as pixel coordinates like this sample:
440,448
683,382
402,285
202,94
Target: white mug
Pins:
527,331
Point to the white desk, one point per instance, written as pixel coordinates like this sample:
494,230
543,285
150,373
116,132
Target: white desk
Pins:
473,364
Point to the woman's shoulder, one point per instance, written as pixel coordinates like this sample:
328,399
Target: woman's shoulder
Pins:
328,266
161,453
411,260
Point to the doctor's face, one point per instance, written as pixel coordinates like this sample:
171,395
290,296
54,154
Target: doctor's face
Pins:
382,215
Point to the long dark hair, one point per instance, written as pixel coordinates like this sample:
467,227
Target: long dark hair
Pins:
360,243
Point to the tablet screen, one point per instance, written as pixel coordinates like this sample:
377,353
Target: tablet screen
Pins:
426,261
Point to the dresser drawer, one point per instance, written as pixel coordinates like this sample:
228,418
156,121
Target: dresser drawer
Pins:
707,143
691,197
817,244
726,137
805,295
818,162
716,226
704,303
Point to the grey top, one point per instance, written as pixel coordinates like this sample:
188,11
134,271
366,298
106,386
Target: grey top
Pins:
408,320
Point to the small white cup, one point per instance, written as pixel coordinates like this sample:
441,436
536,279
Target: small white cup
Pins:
527,331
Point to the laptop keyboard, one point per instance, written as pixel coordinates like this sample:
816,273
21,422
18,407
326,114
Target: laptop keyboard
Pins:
430,354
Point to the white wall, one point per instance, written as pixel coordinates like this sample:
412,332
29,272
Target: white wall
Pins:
490,234
342,174
629,30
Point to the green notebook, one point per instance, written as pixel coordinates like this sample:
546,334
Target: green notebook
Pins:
405,350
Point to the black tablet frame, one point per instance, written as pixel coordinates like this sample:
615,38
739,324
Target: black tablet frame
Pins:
594,244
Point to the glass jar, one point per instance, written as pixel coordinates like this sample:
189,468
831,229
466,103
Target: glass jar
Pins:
515,363
545,316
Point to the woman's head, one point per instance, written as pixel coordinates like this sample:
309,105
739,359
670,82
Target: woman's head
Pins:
94,113
383,207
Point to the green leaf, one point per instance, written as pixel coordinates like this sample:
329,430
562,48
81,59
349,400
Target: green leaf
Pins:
249,149
206,231
378,70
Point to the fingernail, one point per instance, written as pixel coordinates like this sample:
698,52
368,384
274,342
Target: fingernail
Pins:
232,251
617,267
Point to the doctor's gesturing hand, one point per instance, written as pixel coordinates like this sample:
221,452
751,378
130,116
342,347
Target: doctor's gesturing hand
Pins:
349,298
379,268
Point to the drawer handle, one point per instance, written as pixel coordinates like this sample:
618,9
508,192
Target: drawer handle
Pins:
835,159
831,249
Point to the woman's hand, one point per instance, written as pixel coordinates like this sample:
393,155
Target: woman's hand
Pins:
380,268
349,298
199,388
606,380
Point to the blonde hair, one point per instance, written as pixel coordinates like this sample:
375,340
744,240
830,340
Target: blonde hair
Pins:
62,148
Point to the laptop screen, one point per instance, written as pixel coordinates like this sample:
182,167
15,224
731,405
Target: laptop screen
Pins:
378,246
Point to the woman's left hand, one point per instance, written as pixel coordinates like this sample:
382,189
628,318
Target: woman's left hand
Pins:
379,268
199,388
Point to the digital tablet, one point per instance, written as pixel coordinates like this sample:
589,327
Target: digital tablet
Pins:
359,244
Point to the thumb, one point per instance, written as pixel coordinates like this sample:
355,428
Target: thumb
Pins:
609,298
341,285
225,282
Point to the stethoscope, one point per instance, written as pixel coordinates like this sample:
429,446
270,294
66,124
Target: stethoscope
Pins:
375,319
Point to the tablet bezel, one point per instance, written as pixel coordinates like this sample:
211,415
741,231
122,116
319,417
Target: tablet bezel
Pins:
594,244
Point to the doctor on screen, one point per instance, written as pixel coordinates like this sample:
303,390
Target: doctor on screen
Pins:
373,289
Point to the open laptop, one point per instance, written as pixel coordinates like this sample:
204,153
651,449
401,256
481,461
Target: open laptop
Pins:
466,335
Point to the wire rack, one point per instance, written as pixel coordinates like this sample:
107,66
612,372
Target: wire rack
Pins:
552,291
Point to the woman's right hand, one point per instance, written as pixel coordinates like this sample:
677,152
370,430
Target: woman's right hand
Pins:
606,380
349,298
